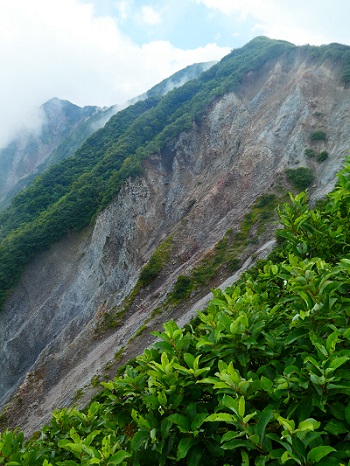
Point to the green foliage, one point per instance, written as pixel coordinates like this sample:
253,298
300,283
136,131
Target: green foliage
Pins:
346,74
309,152
262,376
150,271
182,288
156,263
318,135
300,177
338,53
322,156
265,200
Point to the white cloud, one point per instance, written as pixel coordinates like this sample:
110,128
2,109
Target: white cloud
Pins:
315,21
150,16
124,9
61,48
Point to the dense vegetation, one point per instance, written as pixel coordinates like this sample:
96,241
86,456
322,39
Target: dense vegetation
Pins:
262,376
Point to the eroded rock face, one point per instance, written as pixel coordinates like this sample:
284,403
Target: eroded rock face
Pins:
201,185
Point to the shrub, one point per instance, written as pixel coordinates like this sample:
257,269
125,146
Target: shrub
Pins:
309,152
234,264
318,135
156,263
300,177
150,271
265,200
322,156
182,288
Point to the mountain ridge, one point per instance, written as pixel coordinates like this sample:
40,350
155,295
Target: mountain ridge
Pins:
64,128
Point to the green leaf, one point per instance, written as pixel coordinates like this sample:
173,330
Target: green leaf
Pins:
74,435
184,446
338,410
222,417
230,403
165,427
195,456
94,461
241,406
261,461
248,417
91,436
189,359
286,423
265,417
232,434
337,362
299,448
118,457
245,458
232,444
317,453
163,345
139,439
181,421
94,408
308,425
331,342
336,427
289,456
213,446
74,447
254,439
266,384
277,453
198,421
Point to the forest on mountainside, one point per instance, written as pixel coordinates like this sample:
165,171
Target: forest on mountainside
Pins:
261,376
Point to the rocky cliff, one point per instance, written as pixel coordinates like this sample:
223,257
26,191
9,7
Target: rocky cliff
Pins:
198,188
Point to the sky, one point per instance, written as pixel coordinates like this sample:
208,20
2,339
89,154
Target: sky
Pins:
104,52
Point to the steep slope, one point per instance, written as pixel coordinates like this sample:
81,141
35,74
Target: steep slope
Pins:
194,190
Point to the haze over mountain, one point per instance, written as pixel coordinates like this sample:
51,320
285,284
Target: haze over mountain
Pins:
103,244
62,128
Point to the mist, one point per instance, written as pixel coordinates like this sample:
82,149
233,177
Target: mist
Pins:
62,49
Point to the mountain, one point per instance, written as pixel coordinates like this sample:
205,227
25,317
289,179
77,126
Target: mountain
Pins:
173,196
65,127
